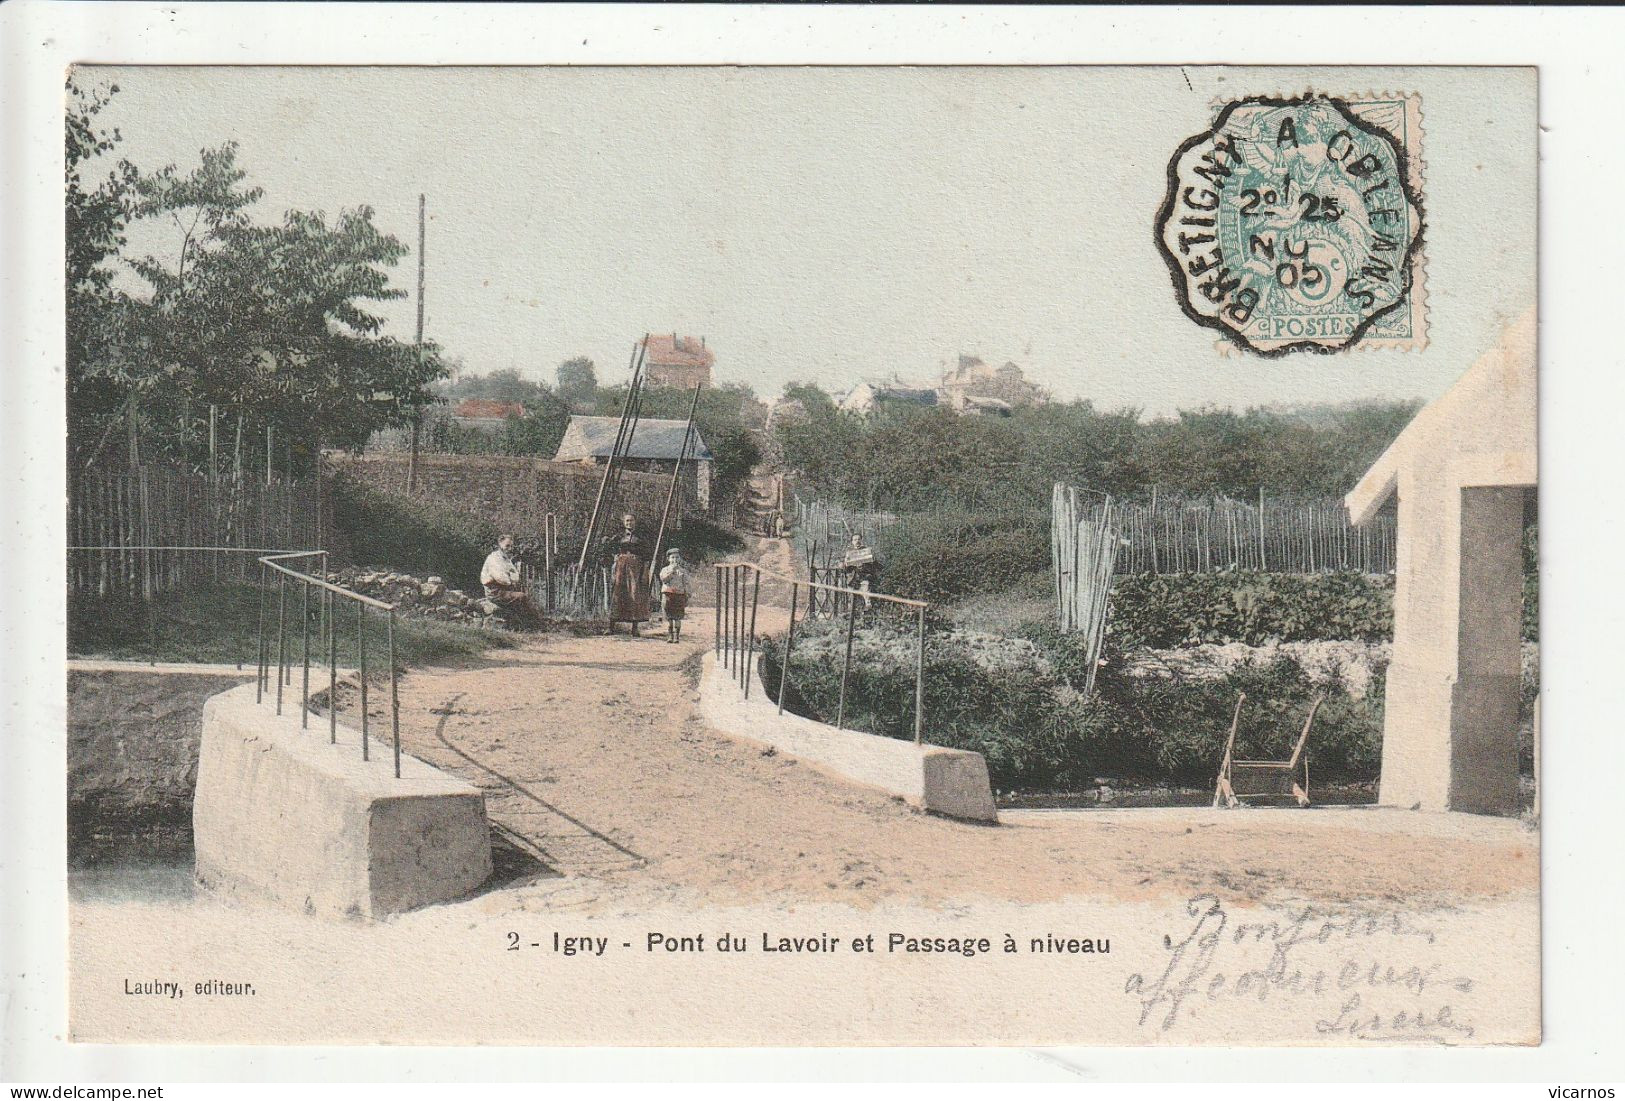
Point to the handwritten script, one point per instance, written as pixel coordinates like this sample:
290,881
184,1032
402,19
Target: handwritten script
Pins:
1361,975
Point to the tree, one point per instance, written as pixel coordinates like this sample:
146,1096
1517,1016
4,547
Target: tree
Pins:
271,321
539,431
96,213
505,385
819,444
578,382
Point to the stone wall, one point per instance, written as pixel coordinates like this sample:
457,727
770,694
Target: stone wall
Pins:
513,492
133,744
301,818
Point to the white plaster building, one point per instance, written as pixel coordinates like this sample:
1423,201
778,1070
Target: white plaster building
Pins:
1461,471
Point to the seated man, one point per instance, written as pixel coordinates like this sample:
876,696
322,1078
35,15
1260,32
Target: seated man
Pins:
503,586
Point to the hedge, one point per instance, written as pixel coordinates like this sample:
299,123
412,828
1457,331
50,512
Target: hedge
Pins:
1170,610
423,537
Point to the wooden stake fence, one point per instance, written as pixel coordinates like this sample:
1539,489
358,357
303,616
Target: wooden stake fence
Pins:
152,530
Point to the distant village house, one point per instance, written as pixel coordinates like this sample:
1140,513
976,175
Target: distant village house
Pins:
680,361
870,394
975,387
485,415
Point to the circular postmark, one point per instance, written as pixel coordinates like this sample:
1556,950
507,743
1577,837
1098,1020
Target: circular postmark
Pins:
1290,225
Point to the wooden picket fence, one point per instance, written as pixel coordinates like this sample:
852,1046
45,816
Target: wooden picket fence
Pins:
1085,540
1163,534
157,529
1223,534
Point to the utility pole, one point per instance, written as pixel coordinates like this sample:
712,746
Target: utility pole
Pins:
417,410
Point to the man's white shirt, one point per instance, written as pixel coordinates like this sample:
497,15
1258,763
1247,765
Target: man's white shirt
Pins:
499,569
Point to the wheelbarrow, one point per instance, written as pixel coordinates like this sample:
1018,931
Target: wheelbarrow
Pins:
1264,781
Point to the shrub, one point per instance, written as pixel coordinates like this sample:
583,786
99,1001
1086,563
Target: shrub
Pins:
1016,701
1169,610
968,679
700,541
1176,730
944,557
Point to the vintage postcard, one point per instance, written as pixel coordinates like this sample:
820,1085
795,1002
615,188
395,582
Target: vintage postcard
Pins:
802,556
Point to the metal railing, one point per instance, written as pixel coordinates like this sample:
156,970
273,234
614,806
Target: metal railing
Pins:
738,594
328,595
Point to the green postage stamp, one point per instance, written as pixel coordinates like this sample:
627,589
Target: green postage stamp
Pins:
1295,224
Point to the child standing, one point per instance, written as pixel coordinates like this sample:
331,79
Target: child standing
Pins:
674,587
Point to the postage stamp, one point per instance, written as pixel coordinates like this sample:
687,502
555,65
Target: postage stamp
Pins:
1295,224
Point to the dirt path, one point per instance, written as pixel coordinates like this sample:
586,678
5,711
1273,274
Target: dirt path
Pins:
594,760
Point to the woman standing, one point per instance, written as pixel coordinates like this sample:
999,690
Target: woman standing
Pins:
628,585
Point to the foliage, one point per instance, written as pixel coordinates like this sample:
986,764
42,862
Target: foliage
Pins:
911,458
537,432
578,382
1187,609
505,385
702,541
723,418
819,446
220,623
410,534
943,557
97,213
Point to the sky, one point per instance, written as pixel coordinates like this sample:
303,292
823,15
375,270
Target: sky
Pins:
829,225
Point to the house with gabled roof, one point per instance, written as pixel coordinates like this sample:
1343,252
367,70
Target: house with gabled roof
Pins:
484,414
655,447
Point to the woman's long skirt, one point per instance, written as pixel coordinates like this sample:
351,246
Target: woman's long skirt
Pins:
628,590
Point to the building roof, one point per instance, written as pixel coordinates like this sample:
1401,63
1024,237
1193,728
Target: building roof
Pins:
978,402
594,438
869,392
486,409
1481,432
671,350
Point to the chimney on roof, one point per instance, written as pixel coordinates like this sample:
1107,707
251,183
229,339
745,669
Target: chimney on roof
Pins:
702,341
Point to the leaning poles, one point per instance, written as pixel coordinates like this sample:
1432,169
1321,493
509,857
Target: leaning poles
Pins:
626,445
671,492
615,451
623,448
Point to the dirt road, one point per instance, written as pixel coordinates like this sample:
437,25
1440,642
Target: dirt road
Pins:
593,758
